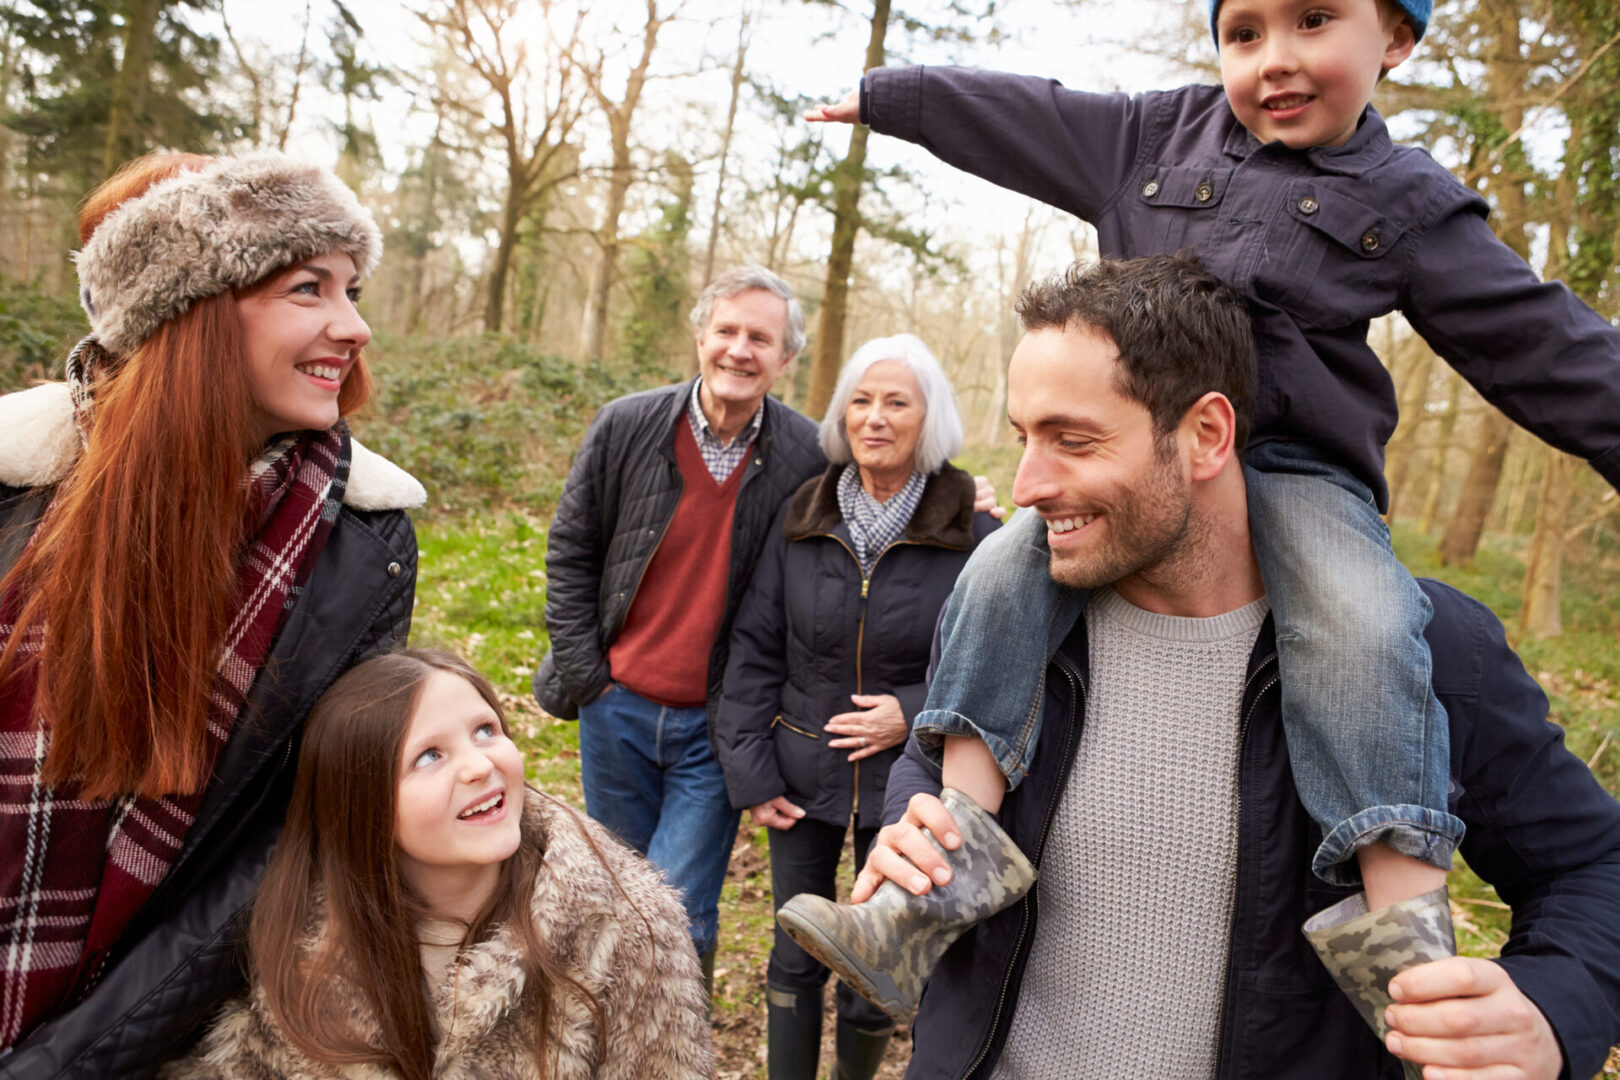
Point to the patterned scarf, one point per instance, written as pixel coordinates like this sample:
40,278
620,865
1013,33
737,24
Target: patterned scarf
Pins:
874,525
76,871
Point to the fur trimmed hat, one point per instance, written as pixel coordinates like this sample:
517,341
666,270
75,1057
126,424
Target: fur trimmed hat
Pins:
225,226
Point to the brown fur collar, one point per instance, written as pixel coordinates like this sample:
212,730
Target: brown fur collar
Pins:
943,518
615,927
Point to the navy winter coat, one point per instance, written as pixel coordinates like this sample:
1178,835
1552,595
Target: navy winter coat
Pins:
1540,828
812,631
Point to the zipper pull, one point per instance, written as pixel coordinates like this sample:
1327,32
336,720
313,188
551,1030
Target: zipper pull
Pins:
864,583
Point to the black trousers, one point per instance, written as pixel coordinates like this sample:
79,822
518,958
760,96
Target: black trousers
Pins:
804,859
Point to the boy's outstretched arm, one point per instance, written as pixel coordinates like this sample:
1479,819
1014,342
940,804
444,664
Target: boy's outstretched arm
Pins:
847,111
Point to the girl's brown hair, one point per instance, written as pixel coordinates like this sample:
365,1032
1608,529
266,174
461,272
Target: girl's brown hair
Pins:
338,847
132,572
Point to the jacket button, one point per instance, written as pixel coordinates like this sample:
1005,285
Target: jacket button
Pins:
1369,240
1151,188
1308,205
759,461
1205,192
394,569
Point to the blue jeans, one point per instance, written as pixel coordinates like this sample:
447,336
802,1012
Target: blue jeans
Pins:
650,776
1370,755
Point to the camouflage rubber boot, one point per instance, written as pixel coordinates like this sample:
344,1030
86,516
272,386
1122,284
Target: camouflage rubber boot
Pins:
885,948
1365,949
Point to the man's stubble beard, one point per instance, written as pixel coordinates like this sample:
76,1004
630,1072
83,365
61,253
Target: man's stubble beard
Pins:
1152,532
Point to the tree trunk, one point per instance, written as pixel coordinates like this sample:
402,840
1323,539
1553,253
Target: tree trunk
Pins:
129,89
1461,538
1412,399
829,352
1505,75
619,117
725,153
1442,453
1543,580
511,213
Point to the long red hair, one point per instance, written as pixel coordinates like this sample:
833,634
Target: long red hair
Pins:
132,572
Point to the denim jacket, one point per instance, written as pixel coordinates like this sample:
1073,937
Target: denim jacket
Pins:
1318,241
1540,828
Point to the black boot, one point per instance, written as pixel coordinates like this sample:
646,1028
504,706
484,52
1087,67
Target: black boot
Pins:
792,1033
860,1050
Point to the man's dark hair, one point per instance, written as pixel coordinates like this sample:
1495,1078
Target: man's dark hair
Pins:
1180,331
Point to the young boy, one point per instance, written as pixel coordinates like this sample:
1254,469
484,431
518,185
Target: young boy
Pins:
1285,183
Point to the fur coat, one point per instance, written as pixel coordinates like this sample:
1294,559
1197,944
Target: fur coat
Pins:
627,943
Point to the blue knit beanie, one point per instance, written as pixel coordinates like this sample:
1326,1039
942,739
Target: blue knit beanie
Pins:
1416,10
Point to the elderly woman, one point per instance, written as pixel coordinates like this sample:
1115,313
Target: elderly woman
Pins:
828,654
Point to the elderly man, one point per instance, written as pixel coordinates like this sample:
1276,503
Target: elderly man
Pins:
1163,935
657,531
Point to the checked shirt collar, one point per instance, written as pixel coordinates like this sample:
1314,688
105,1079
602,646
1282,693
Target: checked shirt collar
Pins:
720,458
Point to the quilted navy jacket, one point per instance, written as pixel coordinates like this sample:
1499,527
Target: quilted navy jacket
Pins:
619,498
812,630
1540,828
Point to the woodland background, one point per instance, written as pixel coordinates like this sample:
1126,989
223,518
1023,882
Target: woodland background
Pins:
556,182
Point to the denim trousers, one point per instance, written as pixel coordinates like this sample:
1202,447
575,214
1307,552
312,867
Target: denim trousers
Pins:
650,776
804,859
1367,738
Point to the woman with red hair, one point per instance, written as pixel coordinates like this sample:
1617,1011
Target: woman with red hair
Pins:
192,549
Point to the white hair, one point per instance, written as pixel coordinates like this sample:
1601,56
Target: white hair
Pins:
741,279
941,437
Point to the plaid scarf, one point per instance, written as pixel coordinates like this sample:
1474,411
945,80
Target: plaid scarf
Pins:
76,871
874,525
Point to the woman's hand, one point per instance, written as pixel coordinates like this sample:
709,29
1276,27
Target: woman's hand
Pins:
984,499
877,726
847,111
776,814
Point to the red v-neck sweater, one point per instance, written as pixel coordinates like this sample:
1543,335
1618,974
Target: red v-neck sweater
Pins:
662,651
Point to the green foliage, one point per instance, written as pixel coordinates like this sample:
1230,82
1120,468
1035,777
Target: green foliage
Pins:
481,421
36,332
68,54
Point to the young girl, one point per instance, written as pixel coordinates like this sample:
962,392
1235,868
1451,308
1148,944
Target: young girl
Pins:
427,915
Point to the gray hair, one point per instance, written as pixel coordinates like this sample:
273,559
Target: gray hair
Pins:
941,437
740,279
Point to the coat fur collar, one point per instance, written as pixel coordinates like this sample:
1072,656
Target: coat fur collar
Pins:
614,927
943,518
39,444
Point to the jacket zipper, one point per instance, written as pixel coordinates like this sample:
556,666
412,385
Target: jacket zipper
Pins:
1032,903
860,644
1224,1061
794,728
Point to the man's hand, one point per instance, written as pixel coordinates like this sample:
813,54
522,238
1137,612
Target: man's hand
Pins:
903,854
776,814
984,498
1464,1019
847,111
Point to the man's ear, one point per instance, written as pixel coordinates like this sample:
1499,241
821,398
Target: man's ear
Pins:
1209,430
